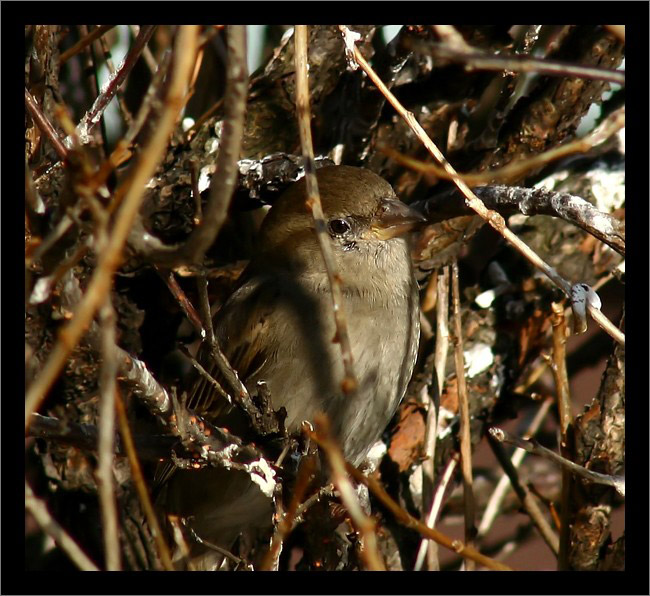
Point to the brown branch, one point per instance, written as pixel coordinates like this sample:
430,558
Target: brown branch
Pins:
561,376
52,528
108,261
532,446
496,498
364,524
476,59
528,501
140,485
126,114
106,439
349,384
85,42
491,217
518,169
151,448
45,126
409,521
92,117
465,430
288,521
224,181
507,200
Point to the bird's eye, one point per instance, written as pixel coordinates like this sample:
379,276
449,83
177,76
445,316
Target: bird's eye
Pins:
339,227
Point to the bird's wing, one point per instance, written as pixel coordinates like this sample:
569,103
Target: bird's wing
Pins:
240,328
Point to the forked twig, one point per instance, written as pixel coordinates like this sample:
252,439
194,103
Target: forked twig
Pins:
528,501
409,521
532,446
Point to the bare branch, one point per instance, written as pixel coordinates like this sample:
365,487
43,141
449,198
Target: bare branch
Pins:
463,406
85,42
108,261
364,524
528,501
491,217
92,117
474,58
39,510
45,125
349,384
141,487
532,446
106,447
507,200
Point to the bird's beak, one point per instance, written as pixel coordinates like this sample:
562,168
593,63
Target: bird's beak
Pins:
394,218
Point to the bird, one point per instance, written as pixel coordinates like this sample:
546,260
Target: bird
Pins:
278,328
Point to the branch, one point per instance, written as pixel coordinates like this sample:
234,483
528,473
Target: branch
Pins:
463,406
41,120
491,217
364,524
528,501
224,182
507,200
51,527
93,115
475,58
532,446
109,259
349,384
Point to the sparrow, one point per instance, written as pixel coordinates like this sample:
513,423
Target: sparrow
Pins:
278,327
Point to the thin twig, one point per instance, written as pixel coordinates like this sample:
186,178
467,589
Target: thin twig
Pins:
560,370
518,169
528,501
432,516
183,301
45,126
85,42
109,260
561,376
491,217
349,384
364,524
463,406
288,521
479,60
140,486
440,360
409,521
126,114
224,181
92,117
106,447
496,498
51,527
149,60
532,446
151,448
